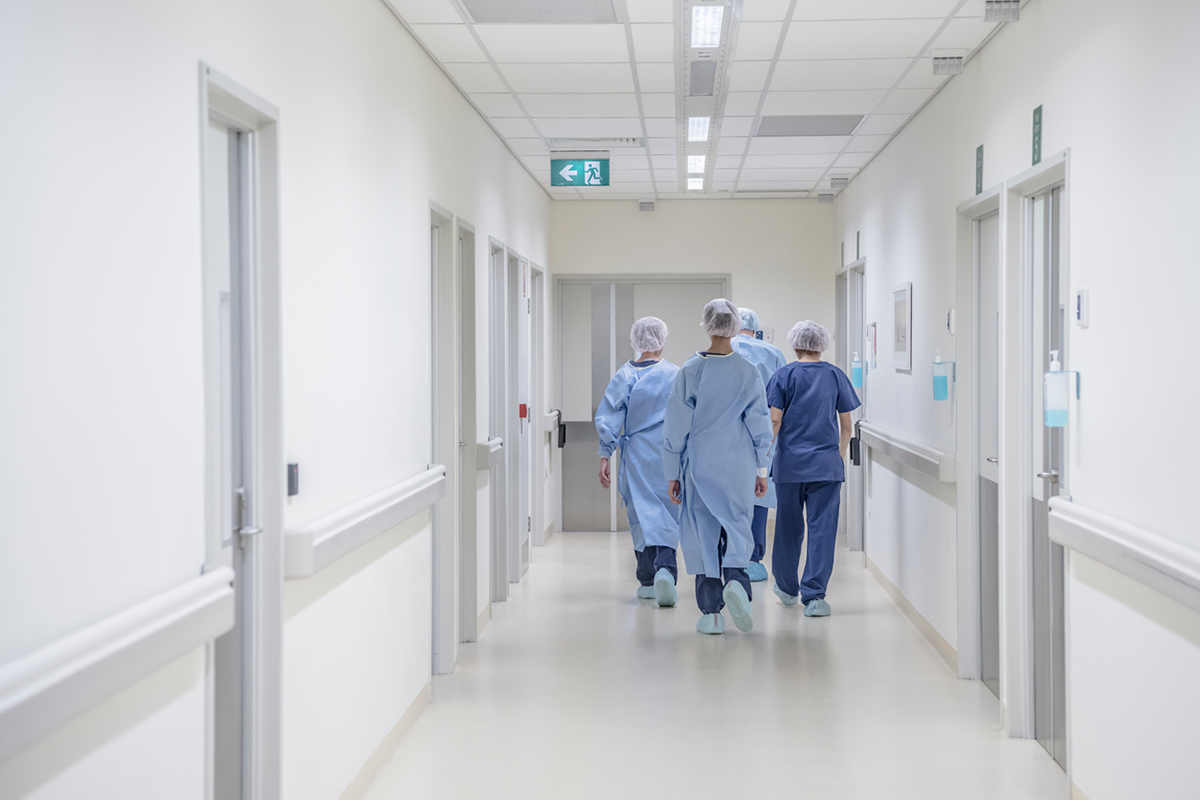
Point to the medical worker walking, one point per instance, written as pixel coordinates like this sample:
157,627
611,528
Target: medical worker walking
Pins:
630,418
810,401
767,359
717,437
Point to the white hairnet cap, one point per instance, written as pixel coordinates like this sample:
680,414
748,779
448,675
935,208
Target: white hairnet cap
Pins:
648,335
721,318
749,320
809,335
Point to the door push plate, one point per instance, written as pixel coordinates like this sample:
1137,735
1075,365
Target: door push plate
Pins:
856,451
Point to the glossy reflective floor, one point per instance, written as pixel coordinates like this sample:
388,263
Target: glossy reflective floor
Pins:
578,690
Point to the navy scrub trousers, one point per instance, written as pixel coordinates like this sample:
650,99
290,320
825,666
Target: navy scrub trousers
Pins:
823,499
709,590
758,526
651,560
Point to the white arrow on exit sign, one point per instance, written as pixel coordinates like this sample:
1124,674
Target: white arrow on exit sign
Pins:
568,172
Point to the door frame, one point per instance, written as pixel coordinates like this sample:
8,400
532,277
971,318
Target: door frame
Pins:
970,213
468,504
855,521
262,608
1016,431
497,416
515,265
537,397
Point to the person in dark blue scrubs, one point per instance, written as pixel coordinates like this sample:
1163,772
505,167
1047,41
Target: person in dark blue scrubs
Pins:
810,403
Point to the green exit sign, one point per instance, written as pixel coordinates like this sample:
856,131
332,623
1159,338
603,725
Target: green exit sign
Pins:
579,172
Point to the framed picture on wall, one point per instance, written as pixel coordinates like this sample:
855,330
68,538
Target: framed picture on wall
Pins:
902,337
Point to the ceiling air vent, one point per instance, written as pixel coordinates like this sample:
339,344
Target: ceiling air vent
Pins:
702,78
839,181
645,205
593,144
948,62
1001,10
540,12
825,198
824,125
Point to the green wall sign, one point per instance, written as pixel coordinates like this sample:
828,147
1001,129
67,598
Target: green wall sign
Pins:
578,172
1037,135
979,170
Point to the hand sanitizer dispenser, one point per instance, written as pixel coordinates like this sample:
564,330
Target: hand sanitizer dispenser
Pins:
943,374
1056,393
857,368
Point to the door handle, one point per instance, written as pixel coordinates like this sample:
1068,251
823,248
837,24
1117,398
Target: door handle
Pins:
247,533
1050,475
462,444
993,460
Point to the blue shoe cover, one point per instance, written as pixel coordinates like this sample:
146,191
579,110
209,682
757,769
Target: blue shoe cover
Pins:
816,608
645,593
787,599
664,588
711,624
738,604
757,572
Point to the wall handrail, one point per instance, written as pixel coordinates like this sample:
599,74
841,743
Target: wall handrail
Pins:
1165,566
490,453
551,420
53,685
310,548
928,460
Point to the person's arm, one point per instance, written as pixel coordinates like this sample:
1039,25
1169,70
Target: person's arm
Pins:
610,421
677,424
776,421
847,432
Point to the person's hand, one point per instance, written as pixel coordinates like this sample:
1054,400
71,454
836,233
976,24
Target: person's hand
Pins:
676,493
605,474
760,486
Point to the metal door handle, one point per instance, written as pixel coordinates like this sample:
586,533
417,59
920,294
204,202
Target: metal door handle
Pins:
1050,475
249,531
462,444
993,460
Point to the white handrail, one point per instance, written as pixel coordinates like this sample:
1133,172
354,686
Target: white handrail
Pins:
925,459
42,690
490,453
1166,566
551,420
312,547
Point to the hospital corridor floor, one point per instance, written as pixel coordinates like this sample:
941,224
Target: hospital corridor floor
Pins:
576,689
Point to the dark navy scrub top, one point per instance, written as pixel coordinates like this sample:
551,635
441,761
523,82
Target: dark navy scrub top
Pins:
811,394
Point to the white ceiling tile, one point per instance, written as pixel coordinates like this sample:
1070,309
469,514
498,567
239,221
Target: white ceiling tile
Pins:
790,161
855,102
756,10
853,159
417,11
782,186
555,43
629,189
781,173
731,146
725,174
967,33
736,126
722,186
580,105
905,101
497,105
476,77
742,104
658,105
569,77
654,42
659,127
651,10
757,40
872,9
666,176
922,77
662,146
664,162
729,162
590,128
894,38
769,145
882,123
514,128
449,43
618,160
528,147
844,75
748,76
866,144
656,77
630,175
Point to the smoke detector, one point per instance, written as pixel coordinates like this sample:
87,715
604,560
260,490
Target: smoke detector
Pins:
1001,10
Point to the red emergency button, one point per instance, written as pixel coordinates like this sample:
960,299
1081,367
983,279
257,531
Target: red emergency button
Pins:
523,410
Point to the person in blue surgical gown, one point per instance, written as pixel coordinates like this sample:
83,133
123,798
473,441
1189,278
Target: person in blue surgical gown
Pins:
717,437
810,401
767,360
630,418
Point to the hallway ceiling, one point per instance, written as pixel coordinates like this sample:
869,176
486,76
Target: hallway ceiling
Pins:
546,70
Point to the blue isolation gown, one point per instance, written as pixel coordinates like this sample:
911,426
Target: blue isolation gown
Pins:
630,418
717,435
767,359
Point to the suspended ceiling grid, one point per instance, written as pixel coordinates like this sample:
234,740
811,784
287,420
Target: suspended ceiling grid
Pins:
624,77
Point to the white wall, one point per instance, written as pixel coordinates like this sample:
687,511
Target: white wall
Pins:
1116,81
101,338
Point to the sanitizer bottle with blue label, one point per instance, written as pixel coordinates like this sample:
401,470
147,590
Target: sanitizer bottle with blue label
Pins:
1056,393
941,377
856,372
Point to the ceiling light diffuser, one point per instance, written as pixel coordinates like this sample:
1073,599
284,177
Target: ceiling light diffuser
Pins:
696,164
706,25
695,184
698,128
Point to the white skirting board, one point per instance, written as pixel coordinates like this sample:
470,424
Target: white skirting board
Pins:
41,691
944,648
485,617
383,754
312,547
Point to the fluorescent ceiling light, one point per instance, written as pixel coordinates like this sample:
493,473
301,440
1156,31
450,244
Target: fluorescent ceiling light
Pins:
696,164
706,25
695,184
698,129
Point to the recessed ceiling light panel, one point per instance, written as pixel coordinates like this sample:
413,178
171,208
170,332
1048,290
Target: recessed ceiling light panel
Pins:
698,128
706,25
695,184
541,12
695,164
811,125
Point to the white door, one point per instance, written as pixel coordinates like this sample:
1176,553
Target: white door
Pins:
498,423
856,343
987,399
523,313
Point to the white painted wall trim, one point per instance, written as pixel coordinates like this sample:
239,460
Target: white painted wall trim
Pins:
928,460
41,691
490,453
311,548
1163,565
